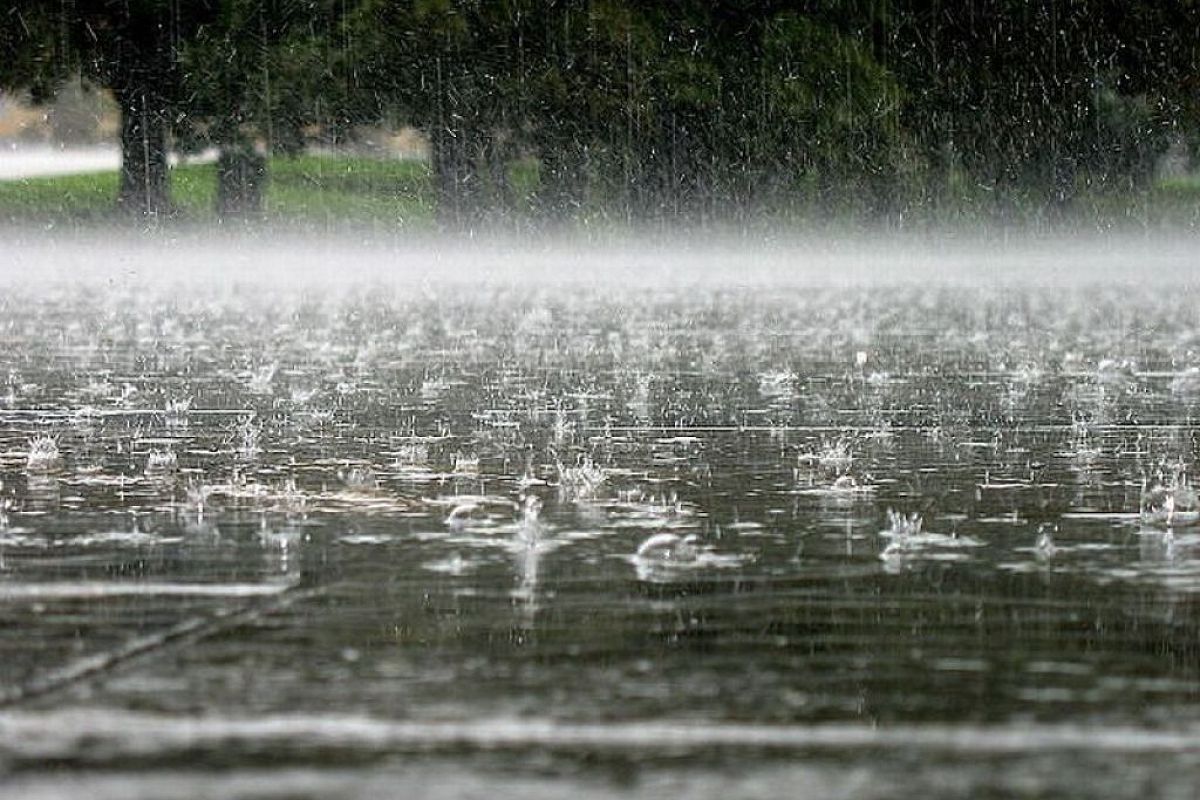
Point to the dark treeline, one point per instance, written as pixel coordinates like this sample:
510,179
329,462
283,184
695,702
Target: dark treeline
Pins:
645,110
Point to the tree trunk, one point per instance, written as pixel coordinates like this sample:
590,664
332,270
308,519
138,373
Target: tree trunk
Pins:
456,177
144,186
563,180
495,156
241,179
1062,189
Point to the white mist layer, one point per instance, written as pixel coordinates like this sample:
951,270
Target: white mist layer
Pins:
305,260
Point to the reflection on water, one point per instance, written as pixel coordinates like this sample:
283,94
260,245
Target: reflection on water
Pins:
742,519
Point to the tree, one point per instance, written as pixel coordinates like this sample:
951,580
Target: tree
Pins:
647,110
1037,99
131,47
257,77
711,110
450,68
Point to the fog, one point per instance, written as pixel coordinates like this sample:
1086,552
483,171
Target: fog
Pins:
287,260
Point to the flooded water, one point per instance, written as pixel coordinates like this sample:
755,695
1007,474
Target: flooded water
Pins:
454,540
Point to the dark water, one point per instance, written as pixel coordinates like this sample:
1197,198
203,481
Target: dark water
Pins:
385,541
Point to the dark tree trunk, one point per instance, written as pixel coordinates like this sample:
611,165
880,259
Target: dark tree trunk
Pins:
563,180
144,122
648,185
1062,188
241,180
456,177
495,155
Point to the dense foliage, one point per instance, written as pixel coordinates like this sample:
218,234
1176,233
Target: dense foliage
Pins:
641,110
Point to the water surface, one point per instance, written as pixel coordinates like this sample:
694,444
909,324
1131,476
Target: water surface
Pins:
314,542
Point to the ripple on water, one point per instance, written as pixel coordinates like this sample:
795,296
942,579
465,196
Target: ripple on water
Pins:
384,446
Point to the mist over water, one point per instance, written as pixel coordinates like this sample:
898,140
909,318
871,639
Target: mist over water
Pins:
286,260
676,515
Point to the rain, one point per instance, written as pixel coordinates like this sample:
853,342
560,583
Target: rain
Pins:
453,399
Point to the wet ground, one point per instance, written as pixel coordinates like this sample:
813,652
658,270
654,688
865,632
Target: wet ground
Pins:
462,541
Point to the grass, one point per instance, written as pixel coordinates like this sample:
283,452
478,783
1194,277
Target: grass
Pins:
306,189
78,196
325,190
